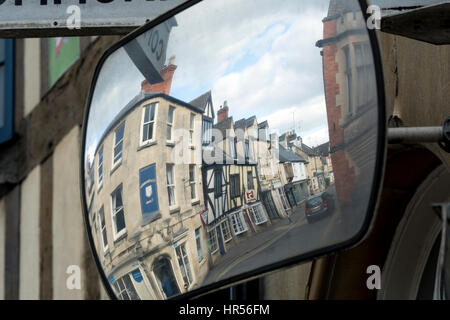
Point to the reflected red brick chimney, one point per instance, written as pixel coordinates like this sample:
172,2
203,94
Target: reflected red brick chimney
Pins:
222,114
167,75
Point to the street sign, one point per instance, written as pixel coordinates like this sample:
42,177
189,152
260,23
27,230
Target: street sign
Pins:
250,195
148,51
204,216
42,18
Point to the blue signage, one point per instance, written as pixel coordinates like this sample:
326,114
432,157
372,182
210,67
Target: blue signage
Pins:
137,275
148,192
6,90
111,279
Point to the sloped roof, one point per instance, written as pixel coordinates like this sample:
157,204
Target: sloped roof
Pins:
250,121
223,126
240,124
308,150
244,123
263,124
323,149
202,101
287,155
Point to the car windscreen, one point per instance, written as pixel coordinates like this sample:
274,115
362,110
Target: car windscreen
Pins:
314,202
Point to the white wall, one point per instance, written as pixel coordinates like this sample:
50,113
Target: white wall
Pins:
29,237
299,172
68,227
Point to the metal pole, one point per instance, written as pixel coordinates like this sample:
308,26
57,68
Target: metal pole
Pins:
415,135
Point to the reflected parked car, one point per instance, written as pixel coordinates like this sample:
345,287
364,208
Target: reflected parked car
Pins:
317,206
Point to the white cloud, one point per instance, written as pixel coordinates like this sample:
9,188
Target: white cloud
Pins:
260,56
306,118
317,138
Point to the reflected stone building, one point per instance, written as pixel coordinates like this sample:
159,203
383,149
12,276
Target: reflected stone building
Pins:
272,186
351,98
147,196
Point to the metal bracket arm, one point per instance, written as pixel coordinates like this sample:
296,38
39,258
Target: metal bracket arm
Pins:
440,135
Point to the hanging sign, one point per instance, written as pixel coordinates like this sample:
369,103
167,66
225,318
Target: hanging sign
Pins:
20,18
148,192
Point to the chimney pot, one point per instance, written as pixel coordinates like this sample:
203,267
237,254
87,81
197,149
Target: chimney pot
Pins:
222,114
164,87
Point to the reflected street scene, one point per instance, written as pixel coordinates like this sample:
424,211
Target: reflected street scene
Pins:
234,135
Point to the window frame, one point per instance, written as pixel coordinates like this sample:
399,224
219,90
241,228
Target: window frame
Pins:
364,70
227,223
198,241
186,267
116,163
207,126
193,183
349,79
114,212
235,191
238,216
247,150
257,212
210,242
126,289
102,224
250,180
232,146
100,170
143,142
191,129
169,124
173,185
218,188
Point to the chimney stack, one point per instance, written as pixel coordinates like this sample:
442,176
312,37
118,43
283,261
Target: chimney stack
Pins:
167,75
222,114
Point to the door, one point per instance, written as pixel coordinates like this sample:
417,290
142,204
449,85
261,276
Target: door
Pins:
165,276
270,205
290,196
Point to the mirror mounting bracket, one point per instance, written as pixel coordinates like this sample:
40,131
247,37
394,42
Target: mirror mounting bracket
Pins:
440,135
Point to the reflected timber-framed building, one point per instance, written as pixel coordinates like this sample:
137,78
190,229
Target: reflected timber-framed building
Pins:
234,210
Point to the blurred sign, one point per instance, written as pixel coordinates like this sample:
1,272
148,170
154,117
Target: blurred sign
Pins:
148,191
250,195
137,275
6,89
204,216
28,18
63,52
148,51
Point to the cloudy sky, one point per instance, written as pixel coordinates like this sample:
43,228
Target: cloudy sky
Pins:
260,56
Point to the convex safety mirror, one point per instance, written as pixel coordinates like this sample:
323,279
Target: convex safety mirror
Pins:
226,139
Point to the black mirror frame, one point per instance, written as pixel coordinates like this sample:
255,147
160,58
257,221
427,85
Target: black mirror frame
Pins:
376,184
